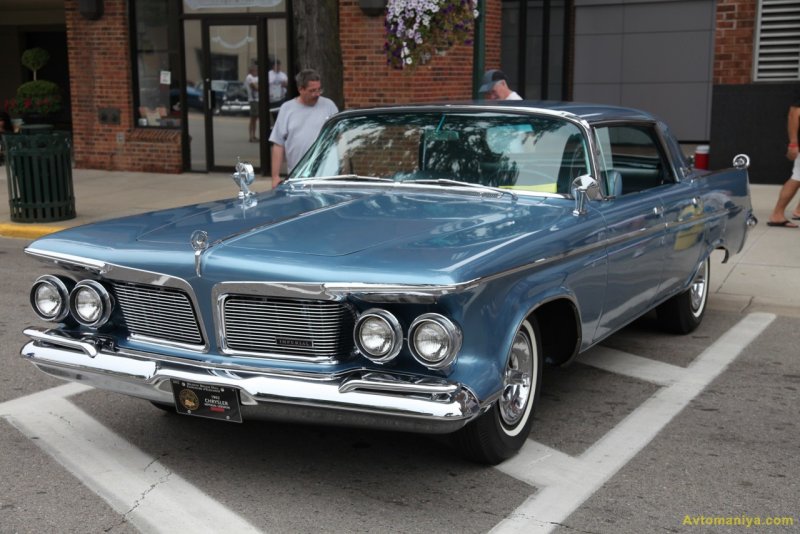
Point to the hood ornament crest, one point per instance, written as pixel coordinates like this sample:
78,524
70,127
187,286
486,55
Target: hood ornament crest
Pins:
199,241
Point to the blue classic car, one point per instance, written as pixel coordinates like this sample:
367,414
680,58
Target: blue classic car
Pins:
415,272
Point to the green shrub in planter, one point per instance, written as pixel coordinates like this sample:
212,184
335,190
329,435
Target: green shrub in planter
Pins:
37,88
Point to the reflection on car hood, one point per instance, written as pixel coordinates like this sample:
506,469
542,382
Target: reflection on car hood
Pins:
357,231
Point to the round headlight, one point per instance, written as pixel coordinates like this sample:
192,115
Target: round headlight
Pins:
49,298
378,335
90,303
434,340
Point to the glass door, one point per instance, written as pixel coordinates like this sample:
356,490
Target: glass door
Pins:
226,60
234,67
230,120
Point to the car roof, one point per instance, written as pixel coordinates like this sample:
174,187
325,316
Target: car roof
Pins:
591,113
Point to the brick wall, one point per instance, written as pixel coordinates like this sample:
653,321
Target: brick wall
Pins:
733,42
100,77
370,81
493,23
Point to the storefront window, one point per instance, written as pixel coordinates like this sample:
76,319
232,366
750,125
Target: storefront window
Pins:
157,67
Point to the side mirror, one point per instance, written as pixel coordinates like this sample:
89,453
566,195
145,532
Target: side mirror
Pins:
741,161
584,188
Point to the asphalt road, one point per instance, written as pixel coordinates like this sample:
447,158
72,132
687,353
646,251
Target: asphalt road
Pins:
649,432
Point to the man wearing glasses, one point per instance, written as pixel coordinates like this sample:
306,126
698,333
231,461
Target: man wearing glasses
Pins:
299,122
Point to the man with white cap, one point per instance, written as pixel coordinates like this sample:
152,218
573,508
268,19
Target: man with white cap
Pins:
495,87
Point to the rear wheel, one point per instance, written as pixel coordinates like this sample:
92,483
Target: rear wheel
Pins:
683,313
500,432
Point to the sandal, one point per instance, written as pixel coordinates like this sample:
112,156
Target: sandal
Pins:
782,224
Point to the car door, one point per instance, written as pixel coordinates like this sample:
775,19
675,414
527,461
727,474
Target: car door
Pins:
634,220
685,204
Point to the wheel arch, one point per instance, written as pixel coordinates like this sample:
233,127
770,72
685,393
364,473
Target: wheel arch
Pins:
559,328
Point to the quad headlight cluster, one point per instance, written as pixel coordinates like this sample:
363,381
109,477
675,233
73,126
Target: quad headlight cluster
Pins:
54,298
433,339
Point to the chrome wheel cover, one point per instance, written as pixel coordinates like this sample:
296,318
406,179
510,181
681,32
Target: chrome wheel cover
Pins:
518,380
697,292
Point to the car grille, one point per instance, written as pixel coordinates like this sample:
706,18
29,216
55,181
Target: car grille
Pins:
266,326
157,312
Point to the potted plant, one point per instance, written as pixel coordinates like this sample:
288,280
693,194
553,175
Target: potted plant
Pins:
415,31
36,100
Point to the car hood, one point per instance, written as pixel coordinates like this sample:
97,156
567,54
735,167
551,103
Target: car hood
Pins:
308,234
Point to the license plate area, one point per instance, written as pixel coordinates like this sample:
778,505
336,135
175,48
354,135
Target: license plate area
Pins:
204,400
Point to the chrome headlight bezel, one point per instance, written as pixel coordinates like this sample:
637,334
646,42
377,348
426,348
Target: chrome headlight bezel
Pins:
450,333
393,329
61,289
105,303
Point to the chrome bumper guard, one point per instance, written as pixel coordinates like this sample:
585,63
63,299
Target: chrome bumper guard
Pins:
362,398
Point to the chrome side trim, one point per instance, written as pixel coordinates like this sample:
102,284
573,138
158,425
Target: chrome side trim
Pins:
357,397
68,260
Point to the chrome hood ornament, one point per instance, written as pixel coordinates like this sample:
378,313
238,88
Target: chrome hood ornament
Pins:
244,176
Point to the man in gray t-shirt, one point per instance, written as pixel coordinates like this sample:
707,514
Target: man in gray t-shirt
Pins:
299,122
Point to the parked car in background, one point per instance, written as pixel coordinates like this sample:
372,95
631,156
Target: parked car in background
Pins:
415,272
234,101
222,90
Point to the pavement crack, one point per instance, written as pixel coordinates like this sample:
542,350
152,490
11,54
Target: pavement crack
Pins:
146,492
551,523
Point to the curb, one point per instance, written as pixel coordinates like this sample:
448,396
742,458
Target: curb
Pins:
27,232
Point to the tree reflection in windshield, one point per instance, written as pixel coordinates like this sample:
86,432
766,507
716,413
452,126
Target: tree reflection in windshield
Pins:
499,150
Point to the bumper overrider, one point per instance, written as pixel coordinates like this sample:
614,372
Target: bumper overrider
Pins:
360,397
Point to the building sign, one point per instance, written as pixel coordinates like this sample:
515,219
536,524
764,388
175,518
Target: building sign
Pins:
215,4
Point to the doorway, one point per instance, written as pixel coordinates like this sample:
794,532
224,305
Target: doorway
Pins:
218,58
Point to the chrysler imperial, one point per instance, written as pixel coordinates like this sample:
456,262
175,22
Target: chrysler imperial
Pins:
415,271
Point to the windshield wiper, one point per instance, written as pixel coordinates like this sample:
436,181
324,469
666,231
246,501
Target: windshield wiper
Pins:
446,181
346,177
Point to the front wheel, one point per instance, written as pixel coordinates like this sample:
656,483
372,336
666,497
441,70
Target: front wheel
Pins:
683,313
500,432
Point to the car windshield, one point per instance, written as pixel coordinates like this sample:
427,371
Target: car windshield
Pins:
524,152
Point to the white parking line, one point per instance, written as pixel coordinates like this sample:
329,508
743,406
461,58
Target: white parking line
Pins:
567,482
144,491
624,363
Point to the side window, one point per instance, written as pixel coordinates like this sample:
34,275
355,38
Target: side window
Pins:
634,155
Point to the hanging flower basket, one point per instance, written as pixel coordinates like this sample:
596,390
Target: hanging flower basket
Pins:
416,30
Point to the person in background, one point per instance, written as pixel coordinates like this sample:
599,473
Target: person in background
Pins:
495,87
299,122
251,83
789,189
278,82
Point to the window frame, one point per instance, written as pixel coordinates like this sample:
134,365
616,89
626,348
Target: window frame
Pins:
177,71
652,130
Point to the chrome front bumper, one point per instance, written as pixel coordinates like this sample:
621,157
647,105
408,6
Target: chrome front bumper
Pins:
356,398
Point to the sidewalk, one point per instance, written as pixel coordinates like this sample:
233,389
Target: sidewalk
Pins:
764,277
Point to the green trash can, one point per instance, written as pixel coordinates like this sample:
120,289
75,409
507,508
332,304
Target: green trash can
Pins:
39,170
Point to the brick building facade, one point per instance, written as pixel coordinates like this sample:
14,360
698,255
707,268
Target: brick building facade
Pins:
747,113
100,79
